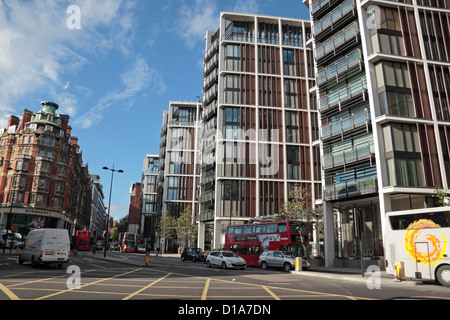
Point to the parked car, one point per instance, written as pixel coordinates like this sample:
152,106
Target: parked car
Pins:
280,259
192,254
140,248
46,246
225,259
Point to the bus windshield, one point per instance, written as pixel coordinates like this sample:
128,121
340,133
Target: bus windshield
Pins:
298,227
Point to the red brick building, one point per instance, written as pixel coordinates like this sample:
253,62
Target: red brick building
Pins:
134,212
43,181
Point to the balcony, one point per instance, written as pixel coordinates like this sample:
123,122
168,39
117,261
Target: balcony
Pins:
211,79
349,156
212,50
355,121
320,7
349,94
339,42
338,70
334,20
206,198
351,189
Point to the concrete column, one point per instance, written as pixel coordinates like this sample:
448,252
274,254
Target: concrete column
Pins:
328,233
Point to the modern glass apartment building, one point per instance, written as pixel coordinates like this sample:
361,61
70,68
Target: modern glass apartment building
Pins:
383,90
179,161
259,122
149,218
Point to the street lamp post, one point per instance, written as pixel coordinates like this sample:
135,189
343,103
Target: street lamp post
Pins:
109,205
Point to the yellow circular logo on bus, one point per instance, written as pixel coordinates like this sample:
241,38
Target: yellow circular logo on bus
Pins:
417,233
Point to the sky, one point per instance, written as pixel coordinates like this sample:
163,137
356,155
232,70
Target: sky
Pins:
113,66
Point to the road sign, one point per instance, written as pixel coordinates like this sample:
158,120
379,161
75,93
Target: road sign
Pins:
20,220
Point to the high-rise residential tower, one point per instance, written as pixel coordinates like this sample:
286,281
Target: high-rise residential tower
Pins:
179,161
149,196
259,123
383,90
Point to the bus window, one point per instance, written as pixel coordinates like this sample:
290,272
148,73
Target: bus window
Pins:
248,229
237,230
230,230
402,222
271,228
260,228
282,227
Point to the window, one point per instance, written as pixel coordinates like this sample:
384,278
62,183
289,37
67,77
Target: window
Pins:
271,228
404,222
282,227
232,57
261,228
403,154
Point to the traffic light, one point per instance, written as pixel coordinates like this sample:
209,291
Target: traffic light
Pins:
95,231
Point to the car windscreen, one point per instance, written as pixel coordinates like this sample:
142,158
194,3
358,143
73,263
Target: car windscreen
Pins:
230,254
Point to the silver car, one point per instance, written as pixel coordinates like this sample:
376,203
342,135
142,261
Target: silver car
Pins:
225,259
279,259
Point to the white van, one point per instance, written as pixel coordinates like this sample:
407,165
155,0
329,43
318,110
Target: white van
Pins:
46,246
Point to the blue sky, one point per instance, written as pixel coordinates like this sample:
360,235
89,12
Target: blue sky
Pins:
115,75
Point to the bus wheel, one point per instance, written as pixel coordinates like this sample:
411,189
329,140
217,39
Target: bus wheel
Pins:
443,275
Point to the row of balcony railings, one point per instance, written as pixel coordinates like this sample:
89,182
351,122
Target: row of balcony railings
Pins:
207,197
349,155
210,94
343,94
318,7
340,67
210,177
212,49
209,111
210,79
331,45
214,62
349,189
206,216
288,40
209,146
208,162
347,123
334,19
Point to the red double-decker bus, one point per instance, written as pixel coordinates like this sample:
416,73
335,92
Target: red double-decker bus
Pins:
128,241
250,240
82,240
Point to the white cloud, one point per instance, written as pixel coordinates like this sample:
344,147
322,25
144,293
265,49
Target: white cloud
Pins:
195,18
134,81
38,53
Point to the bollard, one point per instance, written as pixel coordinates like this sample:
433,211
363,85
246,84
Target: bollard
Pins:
147,258
298,264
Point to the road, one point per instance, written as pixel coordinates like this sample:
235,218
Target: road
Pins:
89,277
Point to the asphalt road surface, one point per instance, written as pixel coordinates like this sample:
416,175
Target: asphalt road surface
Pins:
90,277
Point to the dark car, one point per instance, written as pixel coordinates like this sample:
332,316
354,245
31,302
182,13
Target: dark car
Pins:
193,254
